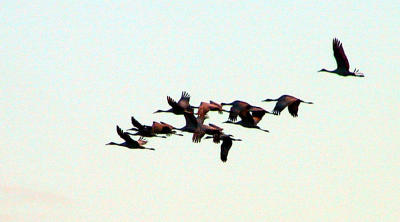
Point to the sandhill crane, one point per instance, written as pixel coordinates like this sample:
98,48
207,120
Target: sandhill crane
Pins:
179,107
142,130
129,142
285,100
343,66
237,107
163,128
195,125
225,146
205,107
250,117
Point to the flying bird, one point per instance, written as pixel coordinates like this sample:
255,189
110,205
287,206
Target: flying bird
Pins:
179,107
129,142
343,66
250,117
225,146
237,107
287,101
163,128
205,107
142,130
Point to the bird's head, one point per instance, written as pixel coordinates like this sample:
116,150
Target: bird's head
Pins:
323,70
267,100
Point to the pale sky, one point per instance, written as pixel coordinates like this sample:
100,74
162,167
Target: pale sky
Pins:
72,70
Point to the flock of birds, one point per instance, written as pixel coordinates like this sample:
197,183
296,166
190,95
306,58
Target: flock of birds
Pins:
249,115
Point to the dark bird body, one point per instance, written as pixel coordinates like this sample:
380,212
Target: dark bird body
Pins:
250,117
225,146
153,130
237,107
342,62
287,101
129,142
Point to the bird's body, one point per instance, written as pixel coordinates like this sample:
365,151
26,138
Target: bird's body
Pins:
287,101
250,117
143,130
179,107
237,107
342,62
163,128
225,146
205,107
129,142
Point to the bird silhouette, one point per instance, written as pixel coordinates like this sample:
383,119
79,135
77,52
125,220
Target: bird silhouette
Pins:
179,107
287,101
129,142
250,117
225,146
343,65
164,128
237,107
205,107
142,130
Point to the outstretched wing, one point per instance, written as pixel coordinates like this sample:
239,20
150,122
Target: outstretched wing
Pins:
184,100
136,124
172,102
225,147
190,119
293,108
126,137
340,56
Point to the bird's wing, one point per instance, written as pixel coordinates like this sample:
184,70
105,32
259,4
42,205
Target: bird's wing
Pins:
233,113
197,135
203,109
126,137
136,124
184,100
246,116
172,102
280,105
225,147
293,108
190,119
215,126
257,113
215,106
340,56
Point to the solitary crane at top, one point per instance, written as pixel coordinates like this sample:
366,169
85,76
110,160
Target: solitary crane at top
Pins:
179,107
129,142
287,101
343,66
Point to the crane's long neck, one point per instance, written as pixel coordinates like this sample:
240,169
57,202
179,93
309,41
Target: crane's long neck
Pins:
162,111
325,70
112,143
307,102
226,104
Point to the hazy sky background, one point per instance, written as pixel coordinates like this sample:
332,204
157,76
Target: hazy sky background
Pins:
72,70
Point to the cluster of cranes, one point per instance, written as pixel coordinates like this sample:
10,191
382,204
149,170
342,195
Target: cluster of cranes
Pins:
249,115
